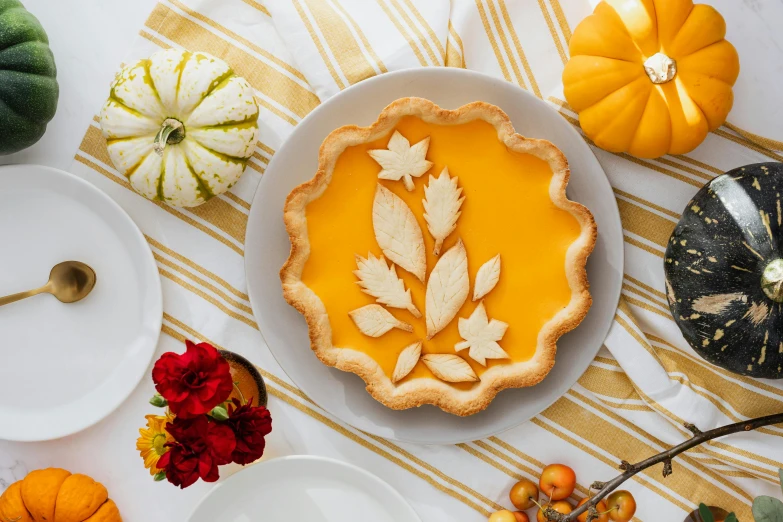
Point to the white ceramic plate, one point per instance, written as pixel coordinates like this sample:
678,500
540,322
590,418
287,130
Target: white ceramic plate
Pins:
267,247
303,488
66,366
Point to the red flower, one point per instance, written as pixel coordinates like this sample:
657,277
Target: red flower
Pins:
195,382
250,425
201,446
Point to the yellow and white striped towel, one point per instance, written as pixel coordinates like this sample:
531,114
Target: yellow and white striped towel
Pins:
635,396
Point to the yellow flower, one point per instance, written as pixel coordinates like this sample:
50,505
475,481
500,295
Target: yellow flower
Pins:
152,440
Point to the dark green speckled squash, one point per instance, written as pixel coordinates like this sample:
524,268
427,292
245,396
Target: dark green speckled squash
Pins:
28,88
724,271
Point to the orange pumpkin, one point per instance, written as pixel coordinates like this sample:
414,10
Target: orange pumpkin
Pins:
650,77
56,495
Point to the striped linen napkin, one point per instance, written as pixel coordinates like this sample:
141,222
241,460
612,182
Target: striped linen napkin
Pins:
637,394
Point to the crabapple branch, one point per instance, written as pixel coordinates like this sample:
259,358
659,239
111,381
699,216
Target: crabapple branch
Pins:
629,470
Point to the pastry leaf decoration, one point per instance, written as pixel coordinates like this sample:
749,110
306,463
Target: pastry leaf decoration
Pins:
400,160
406,361
449,367
481,336
442,202
400,237
374,320
486,278
381,282
398,233
447,288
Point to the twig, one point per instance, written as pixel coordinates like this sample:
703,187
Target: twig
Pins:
629,470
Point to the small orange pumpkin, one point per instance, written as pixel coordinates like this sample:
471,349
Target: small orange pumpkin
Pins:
56,495
650,77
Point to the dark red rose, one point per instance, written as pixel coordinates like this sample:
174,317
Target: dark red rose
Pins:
180,465
195,382
250,425
201,446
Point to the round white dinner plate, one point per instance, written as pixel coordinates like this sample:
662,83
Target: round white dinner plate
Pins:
303,488
267,247
64,367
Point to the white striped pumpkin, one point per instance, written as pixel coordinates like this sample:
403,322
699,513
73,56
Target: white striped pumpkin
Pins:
180,126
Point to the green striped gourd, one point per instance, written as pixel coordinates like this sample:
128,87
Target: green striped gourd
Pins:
180,126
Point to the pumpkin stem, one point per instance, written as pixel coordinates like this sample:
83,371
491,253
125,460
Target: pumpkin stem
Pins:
772,280
171,132
660,68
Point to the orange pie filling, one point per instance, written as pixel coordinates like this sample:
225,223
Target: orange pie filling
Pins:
507,210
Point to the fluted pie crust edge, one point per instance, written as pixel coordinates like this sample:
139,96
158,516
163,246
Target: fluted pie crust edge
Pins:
416,392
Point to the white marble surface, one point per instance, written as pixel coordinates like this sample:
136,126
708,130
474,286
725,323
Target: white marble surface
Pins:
89,39
755,33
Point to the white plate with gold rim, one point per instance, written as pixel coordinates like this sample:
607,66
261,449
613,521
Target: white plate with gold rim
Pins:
67,366
303,488
267,247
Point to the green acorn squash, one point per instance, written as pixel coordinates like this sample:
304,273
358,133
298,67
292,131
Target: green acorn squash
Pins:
724,271
28,85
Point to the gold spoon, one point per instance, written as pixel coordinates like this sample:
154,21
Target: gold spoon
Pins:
69,281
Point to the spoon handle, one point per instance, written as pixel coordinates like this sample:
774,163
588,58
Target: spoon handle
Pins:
22,295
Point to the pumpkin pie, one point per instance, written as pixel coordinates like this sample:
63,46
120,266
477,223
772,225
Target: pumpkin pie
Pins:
435,254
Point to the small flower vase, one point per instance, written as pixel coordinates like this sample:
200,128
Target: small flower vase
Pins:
247,379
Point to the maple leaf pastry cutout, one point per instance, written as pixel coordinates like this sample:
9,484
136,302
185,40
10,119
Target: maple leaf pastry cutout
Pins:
402,161
481,336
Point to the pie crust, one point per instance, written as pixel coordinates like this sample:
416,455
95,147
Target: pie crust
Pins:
456,399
